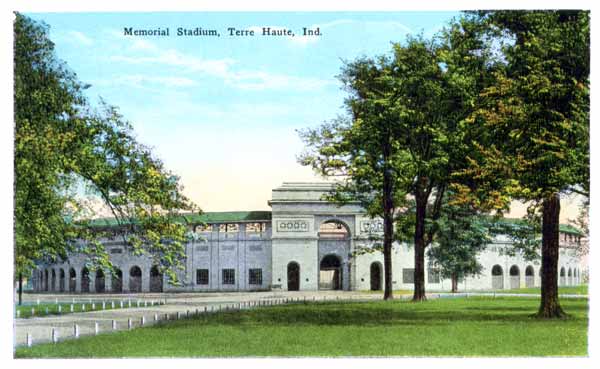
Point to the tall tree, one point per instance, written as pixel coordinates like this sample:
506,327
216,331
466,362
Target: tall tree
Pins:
536,115
62,145
462,234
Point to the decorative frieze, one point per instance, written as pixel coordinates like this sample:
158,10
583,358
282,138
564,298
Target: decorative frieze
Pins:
292,225
371,226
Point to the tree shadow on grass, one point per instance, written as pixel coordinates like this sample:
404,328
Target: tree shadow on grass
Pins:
403,314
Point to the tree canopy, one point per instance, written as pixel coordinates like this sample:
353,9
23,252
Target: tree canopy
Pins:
70,158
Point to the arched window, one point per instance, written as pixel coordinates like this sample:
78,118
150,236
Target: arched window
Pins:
135,279
72,280
497,277
46,280
515,277
156,280
529,276
376,276
330,273
61,280
85,280
53,289
100,282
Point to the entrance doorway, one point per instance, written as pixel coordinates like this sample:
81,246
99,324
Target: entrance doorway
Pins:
376,276
330,273
293,276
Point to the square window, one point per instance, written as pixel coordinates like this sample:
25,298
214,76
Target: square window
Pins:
408,275
228,276
201,276
255,276
433,276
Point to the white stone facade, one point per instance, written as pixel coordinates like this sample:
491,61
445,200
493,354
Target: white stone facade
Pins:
304,243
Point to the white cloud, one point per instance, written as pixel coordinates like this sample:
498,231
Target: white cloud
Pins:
143,81
220,68
80,38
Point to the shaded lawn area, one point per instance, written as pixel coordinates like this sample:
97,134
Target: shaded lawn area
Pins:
441,327
567,290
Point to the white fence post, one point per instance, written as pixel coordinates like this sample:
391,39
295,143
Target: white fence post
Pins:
143,320
112,304
114,325
32,311
29,340
96,328
155,317
59,309
18,313
129,323
75,331
72,308
54,335
103,305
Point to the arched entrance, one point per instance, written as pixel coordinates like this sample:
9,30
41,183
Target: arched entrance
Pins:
562,277
61,280
72,280
46,280
85,280
570,276
117,281
529,276
293,276
135,279
330,273
53,289
515,277
376,276
497,277
156,280
334,250
100,283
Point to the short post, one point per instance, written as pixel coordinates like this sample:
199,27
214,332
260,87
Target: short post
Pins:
138,303
112,304
82,307
18,313
96,328
75,331
72,308
46,310
73,300
129,302
32,311
121,304
29,340
38,301
143,320
145,303
54,335
103,305
129,323
93,306
59,309
114,325
155,317
56,301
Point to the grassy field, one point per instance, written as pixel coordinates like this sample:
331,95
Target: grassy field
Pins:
441,327
567,290
44,309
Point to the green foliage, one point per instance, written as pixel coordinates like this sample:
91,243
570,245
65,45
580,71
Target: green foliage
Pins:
62,146
462,234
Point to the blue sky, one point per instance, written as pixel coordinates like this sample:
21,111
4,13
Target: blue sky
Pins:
222,112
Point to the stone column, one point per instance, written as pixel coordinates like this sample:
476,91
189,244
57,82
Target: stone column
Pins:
92,282
77,279
146,277
107,281
125,281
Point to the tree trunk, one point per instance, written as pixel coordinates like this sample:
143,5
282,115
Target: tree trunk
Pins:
454,279
388,234
20,288
549,307
419,277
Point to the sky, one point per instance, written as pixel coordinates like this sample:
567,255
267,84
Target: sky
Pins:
223,112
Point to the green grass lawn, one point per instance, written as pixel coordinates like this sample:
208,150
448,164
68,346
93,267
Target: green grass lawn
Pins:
441,327
44,309
568,290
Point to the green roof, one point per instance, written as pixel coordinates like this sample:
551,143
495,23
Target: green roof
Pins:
209,217
563,228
